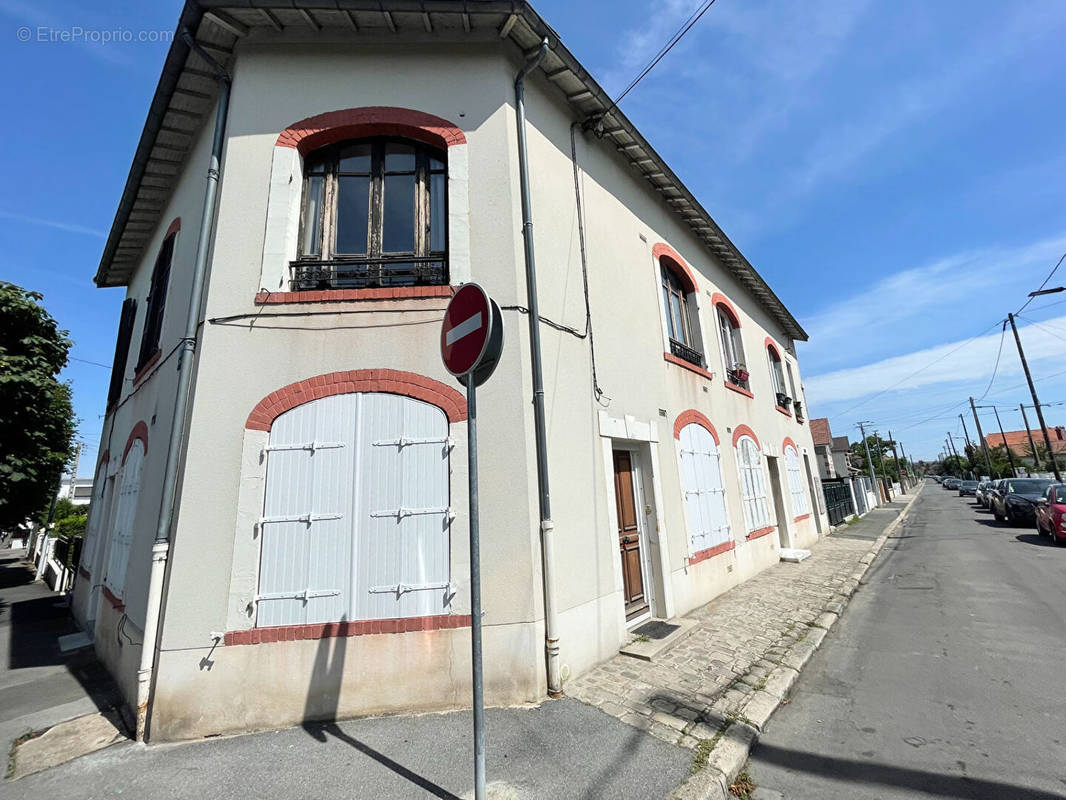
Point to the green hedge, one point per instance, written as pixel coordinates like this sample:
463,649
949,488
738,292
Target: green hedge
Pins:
69,533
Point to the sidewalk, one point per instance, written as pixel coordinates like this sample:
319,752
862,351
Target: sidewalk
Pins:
687,718
39,686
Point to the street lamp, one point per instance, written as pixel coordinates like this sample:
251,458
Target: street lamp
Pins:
1039,292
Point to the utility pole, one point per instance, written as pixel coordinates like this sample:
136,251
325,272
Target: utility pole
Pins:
1029,433
910,475
953,450
74,470
1036,400
981,436
884,472
1010,457
969,446
869,459
899,464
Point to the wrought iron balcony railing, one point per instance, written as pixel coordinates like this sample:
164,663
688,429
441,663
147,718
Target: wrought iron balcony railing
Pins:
368,273
687,353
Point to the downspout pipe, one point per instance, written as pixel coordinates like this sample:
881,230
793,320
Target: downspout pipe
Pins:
547,527
186,352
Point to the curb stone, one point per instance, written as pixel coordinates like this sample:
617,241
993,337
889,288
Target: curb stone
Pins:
731,752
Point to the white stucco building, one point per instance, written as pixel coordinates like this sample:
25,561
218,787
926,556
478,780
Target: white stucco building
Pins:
316,561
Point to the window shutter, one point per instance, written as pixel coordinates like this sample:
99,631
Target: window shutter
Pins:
701,481
122,350
125,518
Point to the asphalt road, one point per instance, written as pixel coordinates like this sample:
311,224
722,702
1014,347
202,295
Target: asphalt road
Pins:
946,677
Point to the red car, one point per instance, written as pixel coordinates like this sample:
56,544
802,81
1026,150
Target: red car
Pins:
1051,513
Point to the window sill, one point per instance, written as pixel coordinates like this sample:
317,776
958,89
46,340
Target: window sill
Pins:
711,552
802,517
738,389
326,630
147,367
784,411
343,295
115,602
671,358
760,532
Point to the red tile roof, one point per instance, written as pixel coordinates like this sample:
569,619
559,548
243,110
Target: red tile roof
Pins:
1018,441
821,433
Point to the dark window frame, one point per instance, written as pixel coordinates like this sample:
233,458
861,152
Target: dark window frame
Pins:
155,305
682,328
322,267
122,350
732,346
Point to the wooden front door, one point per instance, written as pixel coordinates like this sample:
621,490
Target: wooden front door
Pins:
628,535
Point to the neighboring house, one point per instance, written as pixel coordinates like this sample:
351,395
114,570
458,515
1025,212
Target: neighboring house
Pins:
317,563
1019,444
822,437
841,449
78,491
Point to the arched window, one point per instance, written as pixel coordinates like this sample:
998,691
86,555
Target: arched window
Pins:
777,376
732,346
356,519
374,214
703,488
97,513
752,484
681,324
157,300
125,517
795,482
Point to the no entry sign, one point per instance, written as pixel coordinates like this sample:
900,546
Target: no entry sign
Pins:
471,337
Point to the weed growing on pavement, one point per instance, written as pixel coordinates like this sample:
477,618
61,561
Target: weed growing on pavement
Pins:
743,787
853,520
704,748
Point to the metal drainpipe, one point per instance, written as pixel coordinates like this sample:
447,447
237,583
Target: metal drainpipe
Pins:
161,547
547,527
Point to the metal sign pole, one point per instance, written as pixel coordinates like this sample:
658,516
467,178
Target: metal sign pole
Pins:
475,592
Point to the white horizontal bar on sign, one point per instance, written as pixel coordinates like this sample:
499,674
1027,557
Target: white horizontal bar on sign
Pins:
404,442
464,328
305,595
306,519
312,446
413,512
402,588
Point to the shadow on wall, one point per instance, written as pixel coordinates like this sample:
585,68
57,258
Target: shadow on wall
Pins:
320,713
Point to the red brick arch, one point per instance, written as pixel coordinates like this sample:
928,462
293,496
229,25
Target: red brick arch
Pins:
140,431
772,346
676,264
390,381
692,416
357,123
744,430
175,226
785,444
719,299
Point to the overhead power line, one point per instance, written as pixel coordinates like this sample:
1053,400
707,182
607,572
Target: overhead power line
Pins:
666,48
1050,275
86,361
995,369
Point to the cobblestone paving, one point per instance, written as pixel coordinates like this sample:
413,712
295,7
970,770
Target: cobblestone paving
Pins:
687,693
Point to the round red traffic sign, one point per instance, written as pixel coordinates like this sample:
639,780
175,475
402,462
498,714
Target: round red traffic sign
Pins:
471,337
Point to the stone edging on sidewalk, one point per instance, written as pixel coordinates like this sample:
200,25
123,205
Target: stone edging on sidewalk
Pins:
724,756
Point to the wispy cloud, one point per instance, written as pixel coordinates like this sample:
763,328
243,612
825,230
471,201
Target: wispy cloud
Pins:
917,302
55,224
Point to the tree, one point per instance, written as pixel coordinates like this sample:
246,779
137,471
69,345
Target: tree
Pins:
36,413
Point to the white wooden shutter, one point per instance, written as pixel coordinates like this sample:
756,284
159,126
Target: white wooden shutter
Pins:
125,517
356,521
752,483
795,482
97,512
704,490
404,524
306,526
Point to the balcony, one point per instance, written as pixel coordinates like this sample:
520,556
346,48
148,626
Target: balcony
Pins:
683,351
363,273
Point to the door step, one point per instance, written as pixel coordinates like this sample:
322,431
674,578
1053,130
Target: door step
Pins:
794,556
657,636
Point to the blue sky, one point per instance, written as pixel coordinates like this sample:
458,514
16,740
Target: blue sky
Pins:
894,169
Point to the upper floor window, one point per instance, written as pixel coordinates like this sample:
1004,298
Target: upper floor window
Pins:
777,377
374,214
122,350
157,300
732,348
681,322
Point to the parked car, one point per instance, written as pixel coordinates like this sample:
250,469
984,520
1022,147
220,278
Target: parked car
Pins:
1051,513
967,488
982,493
1015,500
950,483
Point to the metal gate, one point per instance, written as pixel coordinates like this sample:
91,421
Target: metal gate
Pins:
837,501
